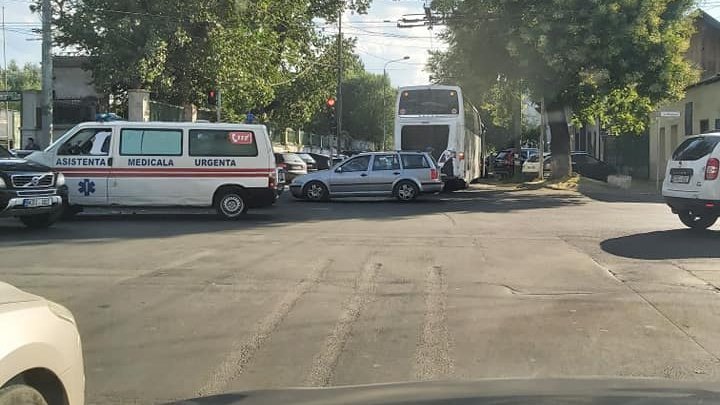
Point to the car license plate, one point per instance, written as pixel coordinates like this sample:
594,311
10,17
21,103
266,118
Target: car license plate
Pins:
37,202
677,178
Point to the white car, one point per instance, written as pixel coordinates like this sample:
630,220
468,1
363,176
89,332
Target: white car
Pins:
40,352
692,186
531,167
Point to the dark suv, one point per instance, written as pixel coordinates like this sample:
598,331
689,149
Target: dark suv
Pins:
30,191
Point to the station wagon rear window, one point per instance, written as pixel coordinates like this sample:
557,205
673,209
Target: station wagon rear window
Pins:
151,142
415,162
205,142
696,148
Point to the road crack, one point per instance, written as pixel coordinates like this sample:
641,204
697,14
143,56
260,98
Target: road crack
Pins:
433,358
326,360
243,352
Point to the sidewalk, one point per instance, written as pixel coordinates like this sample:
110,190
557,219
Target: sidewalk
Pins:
640,191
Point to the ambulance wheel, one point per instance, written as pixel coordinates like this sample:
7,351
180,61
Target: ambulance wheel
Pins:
231,203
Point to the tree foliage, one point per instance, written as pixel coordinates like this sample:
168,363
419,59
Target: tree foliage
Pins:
612,59
25,78
265,56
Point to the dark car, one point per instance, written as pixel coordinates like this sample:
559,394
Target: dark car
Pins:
322,162
504,165
30,191
291,164
588,166
309,161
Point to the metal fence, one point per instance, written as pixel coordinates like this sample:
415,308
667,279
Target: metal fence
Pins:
160,111
206,114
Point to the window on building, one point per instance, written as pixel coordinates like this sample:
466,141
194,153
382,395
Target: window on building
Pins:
674,142
151,142
689,119
717,123
704,126
204,142
662,157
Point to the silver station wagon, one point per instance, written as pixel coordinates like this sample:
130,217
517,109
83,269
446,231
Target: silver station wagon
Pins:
403,175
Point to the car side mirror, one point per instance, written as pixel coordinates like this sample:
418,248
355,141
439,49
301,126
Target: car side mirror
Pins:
339,170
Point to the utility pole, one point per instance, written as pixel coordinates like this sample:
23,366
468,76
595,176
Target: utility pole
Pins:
338,107
5,82
47,75
541,146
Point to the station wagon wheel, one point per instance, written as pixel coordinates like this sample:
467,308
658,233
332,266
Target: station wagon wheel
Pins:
695,221
315,191
406,191
231,204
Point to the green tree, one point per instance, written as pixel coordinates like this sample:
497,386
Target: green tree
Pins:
363,114
598,58
263,55
25,78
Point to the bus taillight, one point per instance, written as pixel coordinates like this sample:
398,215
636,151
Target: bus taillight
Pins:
433,174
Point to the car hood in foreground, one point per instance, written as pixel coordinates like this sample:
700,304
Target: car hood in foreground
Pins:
12,295
501,391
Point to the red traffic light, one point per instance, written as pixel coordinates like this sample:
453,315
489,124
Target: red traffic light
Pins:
331,102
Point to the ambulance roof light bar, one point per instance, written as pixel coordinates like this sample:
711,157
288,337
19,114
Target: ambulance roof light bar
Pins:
108,117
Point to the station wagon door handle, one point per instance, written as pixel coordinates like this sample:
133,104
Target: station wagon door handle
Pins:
363,175
396,173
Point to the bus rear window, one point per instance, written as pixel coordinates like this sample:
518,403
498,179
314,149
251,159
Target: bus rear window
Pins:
429,102
696,148
426,138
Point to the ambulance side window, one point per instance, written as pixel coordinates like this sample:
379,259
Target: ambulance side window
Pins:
151,142
87,142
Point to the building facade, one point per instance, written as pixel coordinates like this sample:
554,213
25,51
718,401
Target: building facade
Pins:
700,109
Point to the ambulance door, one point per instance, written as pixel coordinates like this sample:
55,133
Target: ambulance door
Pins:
147,167
85,160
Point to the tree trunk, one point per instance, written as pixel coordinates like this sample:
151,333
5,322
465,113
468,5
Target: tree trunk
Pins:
559,142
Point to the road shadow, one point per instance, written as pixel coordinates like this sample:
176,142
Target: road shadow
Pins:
88,228
663,245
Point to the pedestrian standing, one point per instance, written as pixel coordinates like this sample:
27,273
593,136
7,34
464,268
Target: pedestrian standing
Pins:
31,145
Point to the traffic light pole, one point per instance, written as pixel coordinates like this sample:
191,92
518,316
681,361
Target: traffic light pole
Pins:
338,107
219,105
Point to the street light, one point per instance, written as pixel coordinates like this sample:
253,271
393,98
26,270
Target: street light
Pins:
383,97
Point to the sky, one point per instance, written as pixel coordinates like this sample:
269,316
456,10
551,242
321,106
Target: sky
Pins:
378,38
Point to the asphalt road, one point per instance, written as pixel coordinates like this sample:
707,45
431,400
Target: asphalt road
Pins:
489,282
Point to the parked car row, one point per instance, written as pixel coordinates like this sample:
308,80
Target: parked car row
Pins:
582,163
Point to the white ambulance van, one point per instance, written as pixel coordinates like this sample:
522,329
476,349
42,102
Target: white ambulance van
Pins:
230,167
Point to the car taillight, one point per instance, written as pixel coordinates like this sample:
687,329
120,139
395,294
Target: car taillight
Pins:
712,169
433,174
461,155
282,165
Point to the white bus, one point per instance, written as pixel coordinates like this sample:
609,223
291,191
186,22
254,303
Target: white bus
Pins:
436,119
